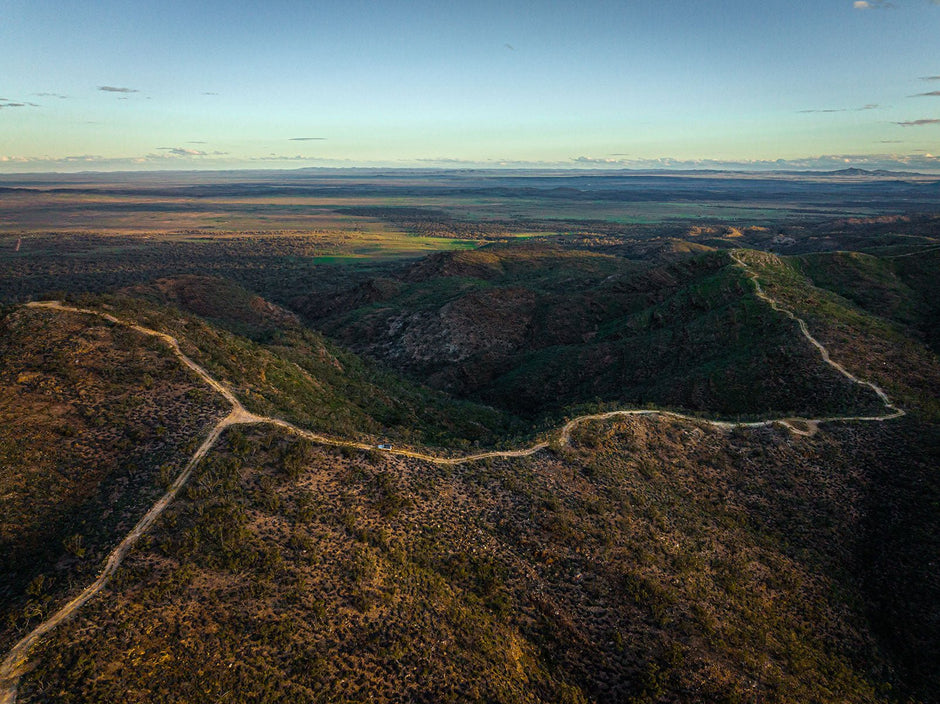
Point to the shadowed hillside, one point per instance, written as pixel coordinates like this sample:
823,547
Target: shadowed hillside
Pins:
94,421
864,331
218,300
904,289
533,330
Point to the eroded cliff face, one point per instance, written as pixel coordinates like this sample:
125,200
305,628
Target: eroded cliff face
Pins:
490,323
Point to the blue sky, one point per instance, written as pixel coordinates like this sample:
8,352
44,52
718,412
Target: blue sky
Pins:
645,83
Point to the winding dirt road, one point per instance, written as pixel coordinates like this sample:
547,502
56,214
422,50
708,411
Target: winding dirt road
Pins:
895,411
17,660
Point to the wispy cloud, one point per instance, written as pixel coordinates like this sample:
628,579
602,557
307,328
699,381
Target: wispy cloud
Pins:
600,160
166,159
179,158
196,142
208,93
923,95
869,106
509,46
13,104
52,95
306,139
72,163
117,89
182,151
39,159
825,162
930,78
919,123
873,5
283,157
446,160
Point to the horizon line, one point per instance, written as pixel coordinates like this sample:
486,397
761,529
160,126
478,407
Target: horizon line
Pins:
736,169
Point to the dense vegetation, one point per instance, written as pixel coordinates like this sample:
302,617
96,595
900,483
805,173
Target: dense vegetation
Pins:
878,347
904,289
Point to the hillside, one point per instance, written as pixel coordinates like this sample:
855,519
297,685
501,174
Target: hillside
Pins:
903,289
652,561
218,301
97,419
94,421
535,330
289,371
867,331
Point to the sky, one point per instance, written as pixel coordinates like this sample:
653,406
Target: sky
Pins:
212,84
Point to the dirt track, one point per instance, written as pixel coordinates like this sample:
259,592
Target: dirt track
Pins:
16,662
